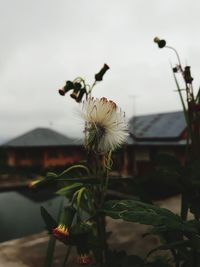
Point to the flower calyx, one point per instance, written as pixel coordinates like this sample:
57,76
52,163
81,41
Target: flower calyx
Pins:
161,43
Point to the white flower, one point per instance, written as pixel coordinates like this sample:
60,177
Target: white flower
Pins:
106,128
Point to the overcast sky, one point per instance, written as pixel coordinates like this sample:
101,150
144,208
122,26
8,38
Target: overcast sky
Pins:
46,42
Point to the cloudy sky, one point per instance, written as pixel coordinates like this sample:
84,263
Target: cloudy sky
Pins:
46,42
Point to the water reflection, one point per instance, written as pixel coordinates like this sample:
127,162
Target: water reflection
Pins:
20,216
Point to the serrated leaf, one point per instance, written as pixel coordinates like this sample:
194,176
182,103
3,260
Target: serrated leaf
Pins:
136,211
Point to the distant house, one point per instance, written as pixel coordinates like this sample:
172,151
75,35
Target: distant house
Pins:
149,135
153,134
42,148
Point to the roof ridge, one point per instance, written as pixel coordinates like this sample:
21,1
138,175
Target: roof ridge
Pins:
41,136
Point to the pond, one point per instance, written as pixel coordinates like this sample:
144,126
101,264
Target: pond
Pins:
20,216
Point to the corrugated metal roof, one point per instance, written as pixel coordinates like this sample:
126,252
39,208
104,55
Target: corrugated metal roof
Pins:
158,126
41,137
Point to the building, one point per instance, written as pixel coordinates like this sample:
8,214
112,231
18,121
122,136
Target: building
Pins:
42,148
149,135
154,134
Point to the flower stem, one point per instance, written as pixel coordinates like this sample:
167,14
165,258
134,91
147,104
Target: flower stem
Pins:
66,256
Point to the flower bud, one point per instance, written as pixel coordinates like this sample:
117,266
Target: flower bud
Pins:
68,86
84,259
77,88
61,232
100,74
187,75
160,43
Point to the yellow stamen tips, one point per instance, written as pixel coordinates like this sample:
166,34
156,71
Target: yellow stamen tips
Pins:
84,259
32,184
60,232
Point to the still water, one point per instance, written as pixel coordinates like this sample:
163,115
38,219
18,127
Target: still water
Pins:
20,216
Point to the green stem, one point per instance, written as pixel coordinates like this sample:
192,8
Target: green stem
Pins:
181,98
66,256
101,226
50,252
52,242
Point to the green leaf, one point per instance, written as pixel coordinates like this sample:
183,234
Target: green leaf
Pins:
48,219
173,245
79,197
50,177
136,211
85,181
69,190
69,171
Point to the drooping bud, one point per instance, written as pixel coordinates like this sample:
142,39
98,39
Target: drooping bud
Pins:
187,75
84,259
175,69
33,183
68,86
77,88
61,232
159,42
100,74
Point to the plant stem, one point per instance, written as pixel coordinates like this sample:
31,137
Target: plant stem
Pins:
66,256
50,252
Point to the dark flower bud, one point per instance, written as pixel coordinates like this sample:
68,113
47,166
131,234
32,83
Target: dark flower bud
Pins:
175,69
100,74
160,43
68,86
80,95
77,86
187,75
74,95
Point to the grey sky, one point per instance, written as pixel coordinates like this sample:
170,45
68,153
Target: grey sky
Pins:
46,42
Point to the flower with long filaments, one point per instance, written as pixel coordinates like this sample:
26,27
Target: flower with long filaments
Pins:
84,259
106,128
61,232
